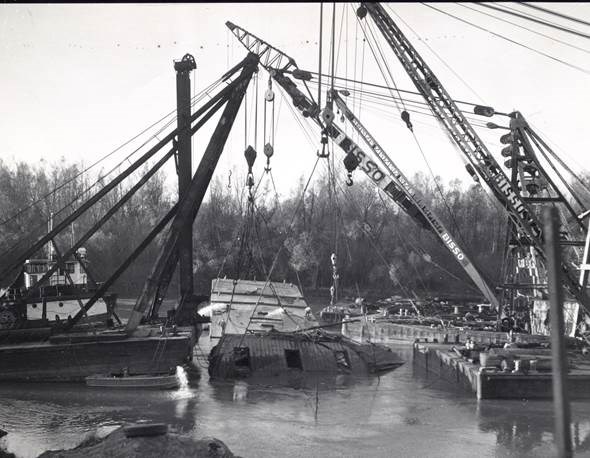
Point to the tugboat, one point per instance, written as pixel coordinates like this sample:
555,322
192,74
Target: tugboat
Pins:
63,294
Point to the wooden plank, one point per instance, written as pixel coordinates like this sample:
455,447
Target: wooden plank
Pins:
241,299
251,287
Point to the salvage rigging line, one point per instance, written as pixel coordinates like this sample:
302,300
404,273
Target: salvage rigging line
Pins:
452,216
382,99
25,241
467,85
380,86
380,250
555,13
419,145
320,56
196,98
583,70
431,127
406,240
377,245
212,105
276,257
531,18
524,28
378,62
561,162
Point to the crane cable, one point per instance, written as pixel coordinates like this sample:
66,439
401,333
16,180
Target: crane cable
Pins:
532,18
279,251
444,62
378,62
376,245
62,185
403,242
525,28
555,13
556,59
409,125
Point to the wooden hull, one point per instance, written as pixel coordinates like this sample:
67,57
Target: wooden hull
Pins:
73,357
275,354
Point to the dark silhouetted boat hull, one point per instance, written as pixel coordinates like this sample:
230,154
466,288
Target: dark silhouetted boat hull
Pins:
75,356
277,353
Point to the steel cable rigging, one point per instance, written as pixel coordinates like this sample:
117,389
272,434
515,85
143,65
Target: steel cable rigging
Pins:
444,62
409,124
556,59
536,20
555,13
196,99
204,113
557,40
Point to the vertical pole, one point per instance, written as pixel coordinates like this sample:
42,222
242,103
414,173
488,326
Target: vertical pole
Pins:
320,57
560,395
585,267
183,107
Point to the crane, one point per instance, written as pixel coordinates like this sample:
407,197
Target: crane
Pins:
378,166
469,143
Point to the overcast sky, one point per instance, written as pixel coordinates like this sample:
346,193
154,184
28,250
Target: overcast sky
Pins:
78,80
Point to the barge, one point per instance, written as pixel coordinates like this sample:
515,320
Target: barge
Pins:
73,356
528,379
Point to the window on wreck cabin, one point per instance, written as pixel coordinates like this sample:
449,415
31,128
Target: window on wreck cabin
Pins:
342,359
293,358
242,356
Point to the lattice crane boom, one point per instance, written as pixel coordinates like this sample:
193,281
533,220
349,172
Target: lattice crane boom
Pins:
377,166
463,134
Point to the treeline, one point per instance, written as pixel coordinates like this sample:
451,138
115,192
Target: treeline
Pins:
378,248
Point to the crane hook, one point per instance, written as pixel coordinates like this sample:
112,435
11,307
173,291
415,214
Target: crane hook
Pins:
324,142
349,181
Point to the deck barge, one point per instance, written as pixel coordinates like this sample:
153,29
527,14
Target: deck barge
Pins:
440,360
382,330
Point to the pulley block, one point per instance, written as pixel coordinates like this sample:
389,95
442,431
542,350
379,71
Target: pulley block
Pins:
269,95
328,116
250,155
268,150
351,162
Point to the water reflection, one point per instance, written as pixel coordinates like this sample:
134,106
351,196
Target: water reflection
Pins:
526,427
401,413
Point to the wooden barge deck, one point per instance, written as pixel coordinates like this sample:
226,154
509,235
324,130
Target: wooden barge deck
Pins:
439,360
382,330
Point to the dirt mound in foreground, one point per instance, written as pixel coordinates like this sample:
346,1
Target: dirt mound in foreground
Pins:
117,445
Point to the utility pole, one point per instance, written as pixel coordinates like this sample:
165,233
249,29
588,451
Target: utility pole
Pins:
561,404
184,168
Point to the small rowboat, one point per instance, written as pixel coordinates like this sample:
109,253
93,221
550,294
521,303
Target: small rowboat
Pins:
157,382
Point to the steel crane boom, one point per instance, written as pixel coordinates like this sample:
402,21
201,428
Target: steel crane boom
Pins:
377,166
466,138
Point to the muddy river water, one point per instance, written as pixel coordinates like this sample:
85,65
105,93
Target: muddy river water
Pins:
402,413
